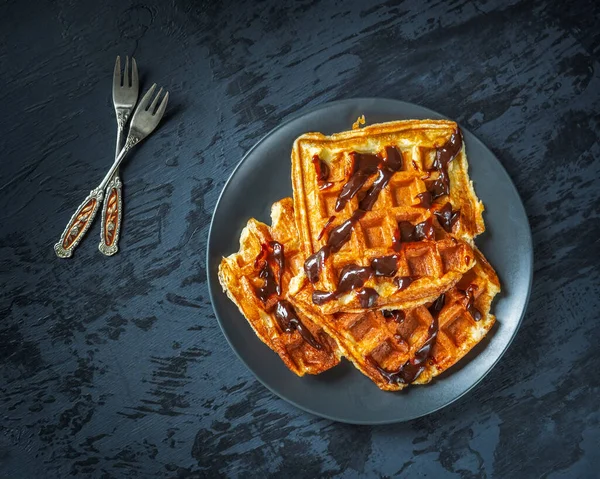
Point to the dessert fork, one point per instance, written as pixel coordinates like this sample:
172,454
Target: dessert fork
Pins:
124,99
145,120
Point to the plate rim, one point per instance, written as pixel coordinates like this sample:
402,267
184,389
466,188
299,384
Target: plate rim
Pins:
309,410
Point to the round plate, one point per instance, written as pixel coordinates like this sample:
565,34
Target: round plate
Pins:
343,393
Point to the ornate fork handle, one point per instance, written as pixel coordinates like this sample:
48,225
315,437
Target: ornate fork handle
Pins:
112,213
79,224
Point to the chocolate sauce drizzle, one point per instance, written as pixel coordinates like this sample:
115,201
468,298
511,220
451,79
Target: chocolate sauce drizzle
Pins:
367,297
408,233
321,167
354,277
444,155
351,277
363,166
403,282
322,172
272,256
327,225
385,266
425,199
441,185
469,302
288,321
419,232
385,171
446,217
412,369
394,315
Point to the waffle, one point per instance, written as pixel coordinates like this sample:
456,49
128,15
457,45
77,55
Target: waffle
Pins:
302,345
356,192
396,348
373,259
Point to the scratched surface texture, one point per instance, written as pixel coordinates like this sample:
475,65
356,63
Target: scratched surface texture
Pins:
116,367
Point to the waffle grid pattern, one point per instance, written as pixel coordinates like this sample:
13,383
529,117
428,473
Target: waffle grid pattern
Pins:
458,331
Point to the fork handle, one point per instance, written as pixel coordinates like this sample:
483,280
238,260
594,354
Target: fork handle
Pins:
112,213
79,224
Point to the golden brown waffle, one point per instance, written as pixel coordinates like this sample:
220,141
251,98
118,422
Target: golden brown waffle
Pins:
322,169
383,345
303,347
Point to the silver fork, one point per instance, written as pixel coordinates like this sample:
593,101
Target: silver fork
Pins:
145,120
124,99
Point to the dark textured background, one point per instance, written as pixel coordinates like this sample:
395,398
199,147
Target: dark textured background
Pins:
116,367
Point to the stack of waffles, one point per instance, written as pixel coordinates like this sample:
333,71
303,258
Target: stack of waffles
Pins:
373,259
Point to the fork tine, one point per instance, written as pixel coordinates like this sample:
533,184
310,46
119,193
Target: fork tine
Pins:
155,101
117,73
162,107
126,76
146,98
134,74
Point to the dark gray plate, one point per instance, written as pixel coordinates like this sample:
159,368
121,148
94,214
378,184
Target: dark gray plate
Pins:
343,393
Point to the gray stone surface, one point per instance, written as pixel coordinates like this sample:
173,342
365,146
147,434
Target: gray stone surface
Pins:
115,367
